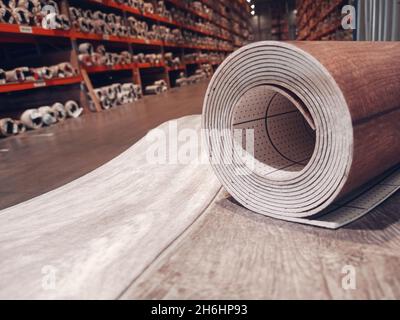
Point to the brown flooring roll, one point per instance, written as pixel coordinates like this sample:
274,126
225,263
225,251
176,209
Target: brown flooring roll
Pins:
325,118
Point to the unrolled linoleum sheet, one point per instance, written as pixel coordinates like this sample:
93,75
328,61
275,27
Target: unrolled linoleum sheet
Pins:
91,238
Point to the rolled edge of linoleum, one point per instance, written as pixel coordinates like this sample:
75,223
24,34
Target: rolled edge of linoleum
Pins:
303,131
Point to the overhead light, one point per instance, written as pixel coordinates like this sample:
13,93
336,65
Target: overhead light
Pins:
253,13
252,6
248,1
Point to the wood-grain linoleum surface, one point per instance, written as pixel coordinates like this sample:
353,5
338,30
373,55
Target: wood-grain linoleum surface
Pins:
228,252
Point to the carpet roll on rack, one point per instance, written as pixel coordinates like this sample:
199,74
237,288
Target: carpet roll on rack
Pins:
65,70
3,79
49,116
20,126
325,125
6,15
32,119
73,109
8,127
59,111
20,74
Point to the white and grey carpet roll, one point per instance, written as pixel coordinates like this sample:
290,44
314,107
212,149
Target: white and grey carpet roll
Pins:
59,111
49,116
296,131
32,119
3,79
8,127
73,109
157,87
6,15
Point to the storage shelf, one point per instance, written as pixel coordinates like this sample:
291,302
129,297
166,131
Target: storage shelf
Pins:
12,87
181,67
72,34
150,65
14,33
309,35
139,66
155,17
120,67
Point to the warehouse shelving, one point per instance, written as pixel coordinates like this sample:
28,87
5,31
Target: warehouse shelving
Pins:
32,34
314,23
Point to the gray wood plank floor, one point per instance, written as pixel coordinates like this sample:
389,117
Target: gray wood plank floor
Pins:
231,253
105,251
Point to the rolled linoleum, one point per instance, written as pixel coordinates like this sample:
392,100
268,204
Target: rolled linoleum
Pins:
325,128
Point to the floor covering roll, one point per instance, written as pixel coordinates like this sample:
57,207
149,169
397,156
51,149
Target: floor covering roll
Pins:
325,120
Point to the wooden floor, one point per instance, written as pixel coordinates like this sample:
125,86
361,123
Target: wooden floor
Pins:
42,160
225,252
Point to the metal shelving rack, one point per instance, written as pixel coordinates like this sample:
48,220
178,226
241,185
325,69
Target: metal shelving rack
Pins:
320,19
11,33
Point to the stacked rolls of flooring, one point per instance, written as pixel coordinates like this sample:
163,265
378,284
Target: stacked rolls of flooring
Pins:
36,118
28,74
116,94
324,123
44,13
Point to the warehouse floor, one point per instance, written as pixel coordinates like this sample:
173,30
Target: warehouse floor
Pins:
228,252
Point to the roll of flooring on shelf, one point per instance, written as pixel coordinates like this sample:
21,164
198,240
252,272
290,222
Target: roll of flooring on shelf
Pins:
64,22
75,13
97,59
65,70
8,3
325,125
84,25
16,75
20,126
153,89
100,27
126,57
98,15
8,127
22,16
138,91
181,82
162,84
148,8
2,76
59,111
86,59
73,109
43,73
53,4
86,48
6,15
32,119
33,6
48,115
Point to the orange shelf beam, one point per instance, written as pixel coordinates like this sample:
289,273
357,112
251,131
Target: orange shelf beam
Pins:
11,87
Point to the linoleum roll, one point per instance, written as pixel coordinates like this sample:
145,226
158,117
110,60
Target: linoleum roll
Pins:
32,119
73,109
325,118
8,127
